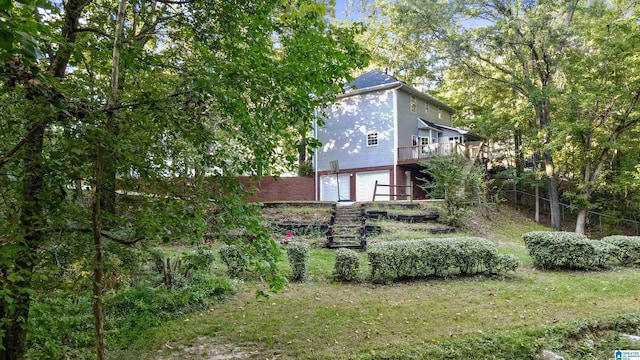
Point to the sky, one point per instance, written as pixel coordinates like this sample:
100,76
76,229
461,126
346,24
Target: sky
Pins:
343,7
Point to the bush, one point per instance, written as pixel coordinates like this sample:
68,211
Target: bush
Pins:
471,253
234,258
628,248
298,254
506,262
347,265
146,306
566,250
421,258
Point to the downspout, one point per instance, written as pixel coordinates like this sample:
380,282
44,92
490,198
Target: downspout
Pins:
395,140
315,162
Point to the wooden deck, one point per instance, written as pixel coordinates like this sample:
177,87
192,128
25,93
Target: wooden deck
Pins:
471,150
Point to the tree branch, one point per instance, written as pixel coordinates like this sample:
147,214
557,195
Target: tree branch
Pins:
97,31
9,154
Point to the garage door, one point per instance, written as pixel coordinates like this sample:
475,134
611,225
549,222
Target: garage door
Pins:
366,181
329,187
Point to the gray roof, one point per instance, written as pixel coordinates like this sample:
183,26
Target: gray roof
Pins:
372,78
376,80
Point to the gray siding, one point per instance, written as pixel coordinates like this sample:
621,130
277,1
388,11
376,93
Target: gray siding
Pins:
408,121
344,134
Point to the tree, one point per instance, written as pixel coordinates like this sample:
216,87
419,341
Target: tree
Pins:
458,181
601,97
206,91
530,66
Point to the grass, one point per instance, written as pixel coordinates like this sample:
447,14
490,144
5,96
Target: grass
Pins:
481,317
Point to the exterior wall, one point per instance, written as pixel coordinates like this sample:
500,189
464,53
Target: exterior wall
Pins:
446,134
352,177
344,134
407,120
281,189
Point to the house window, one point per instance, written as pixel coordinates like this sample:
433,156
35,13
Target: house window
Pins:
372,139
439,113
424,141
426,107
413,104
414,140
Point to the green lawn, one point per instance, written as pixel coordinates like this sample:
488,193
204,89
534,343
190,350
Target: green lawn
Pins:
512,316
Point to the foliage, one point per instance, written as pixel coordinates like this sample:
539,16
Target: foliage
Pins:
566,250
61,319
506,262
422,258
459,182
298,253
175,271
347,265
198,102
518,81
627,248
235,259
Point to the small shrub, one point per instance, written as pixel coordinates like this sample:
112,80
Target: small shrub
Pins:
298,254
201,259
628,248
234,258
347,265
566,250
506,262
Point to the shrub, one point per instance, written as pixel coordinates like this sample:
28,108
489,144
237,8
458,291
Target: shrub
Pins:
628,248
234,258
506,262
421,258
565,250
298,254
471,253
347,265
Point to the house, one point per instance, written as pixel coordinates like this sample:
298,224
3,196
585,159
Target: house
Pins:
378,131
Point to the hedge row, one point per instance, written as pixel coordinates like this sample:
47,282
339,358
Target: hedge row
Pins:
421,258
572,251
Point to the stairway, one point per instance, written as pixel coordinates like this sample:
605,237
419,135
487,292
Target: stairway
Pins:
347,227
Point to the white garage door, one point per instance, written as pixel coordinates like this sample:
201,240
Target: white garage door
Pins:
365,184
329,187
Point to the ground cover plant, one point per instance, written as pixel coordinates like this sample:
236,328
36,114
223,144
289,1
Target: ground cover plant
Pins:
514,316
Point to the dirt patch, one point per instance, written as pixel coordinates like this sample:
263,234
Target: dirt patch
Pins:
207,349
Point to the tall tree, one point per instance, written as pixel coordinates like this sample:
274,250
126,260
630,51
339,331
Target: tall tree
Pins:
600,97
204,89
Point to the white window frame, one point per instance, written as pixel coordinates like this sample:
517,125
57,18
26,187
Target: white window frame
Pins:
412,105
439,113
426,107
373,139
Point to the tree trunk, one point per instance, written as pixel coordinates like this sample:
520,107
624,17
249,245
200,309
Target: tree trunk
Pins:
581,221
16,314
105,180
544,120
519,157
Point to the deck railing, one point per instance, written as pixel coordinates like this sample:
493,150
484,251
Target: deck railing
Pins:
473,150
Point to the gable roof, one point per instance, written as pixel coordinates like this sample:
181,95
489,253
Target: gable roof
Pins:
373,78
376,80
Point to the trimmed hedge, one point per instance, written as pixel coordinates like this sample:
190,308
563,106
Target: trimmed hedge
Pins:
298,254
347,265
567,250
628,248
427,257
